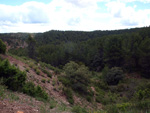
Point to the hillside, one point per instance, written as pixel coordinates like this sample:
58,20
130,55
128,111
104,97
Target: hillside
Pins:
81,72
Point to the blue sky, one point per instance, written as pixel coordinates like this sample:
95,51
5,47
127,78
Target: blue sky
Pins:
19,2
85,15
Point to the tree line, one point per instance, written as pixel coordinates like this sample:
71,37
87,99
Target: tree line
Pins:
129,49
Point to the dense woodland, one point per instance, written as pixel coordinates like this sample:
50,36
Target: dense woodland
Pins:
129,49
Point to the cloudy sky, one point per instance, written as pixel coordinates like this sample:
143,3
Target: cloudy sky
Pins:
85,15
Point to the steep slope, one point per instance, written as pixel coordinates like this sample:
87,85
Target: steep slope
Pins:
49,83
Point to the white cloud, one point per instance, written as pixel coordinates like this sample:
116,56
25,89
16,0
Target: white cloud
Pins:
82,3
70,15
31,12
127,15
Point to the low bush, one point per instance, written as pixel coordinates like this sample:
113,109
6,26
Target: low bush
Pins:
143,91
143,105
37,71
35,91
46,72
2,92
64,80
123,106
112,109
69,95
14,79
78,109
43,80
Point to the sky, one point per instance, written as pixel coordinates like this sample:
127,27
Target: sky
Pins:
76,15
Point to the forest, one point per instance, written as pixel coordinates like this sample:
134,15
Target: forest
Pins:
115,63
128,49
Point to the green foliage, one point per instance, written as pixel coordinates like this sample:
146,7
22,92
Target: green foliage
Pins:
37,71
142,94
112,109
78,109
31,46
99,95
2,47
64,80
14,79
144,105
29,88
40,93
143,91
27,69
113,52
53,103
48,73
69,95
43,80
113,76
35,91
145,57
78,76
2,92
123,106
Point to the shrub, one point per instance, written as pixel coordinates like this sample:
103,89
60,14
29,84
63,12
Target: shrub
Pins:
31,65
113,76
29,88
46,72
49,75
53,103
142,94
89,98
35,91
145,104
37,71
112,109
78,109
41,93
48,80
69,95
79,77
64,80
54,82
143,91
14,79
43,80
2,92
99,95
123,106
27,69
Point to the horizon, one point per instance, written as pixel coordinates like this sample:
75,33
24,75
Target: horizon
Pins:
72,15
75,30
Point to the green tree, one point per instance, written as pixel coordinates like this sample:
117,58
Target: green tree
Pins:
113,52
112,76
78,76
144,60
2,47
31,46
